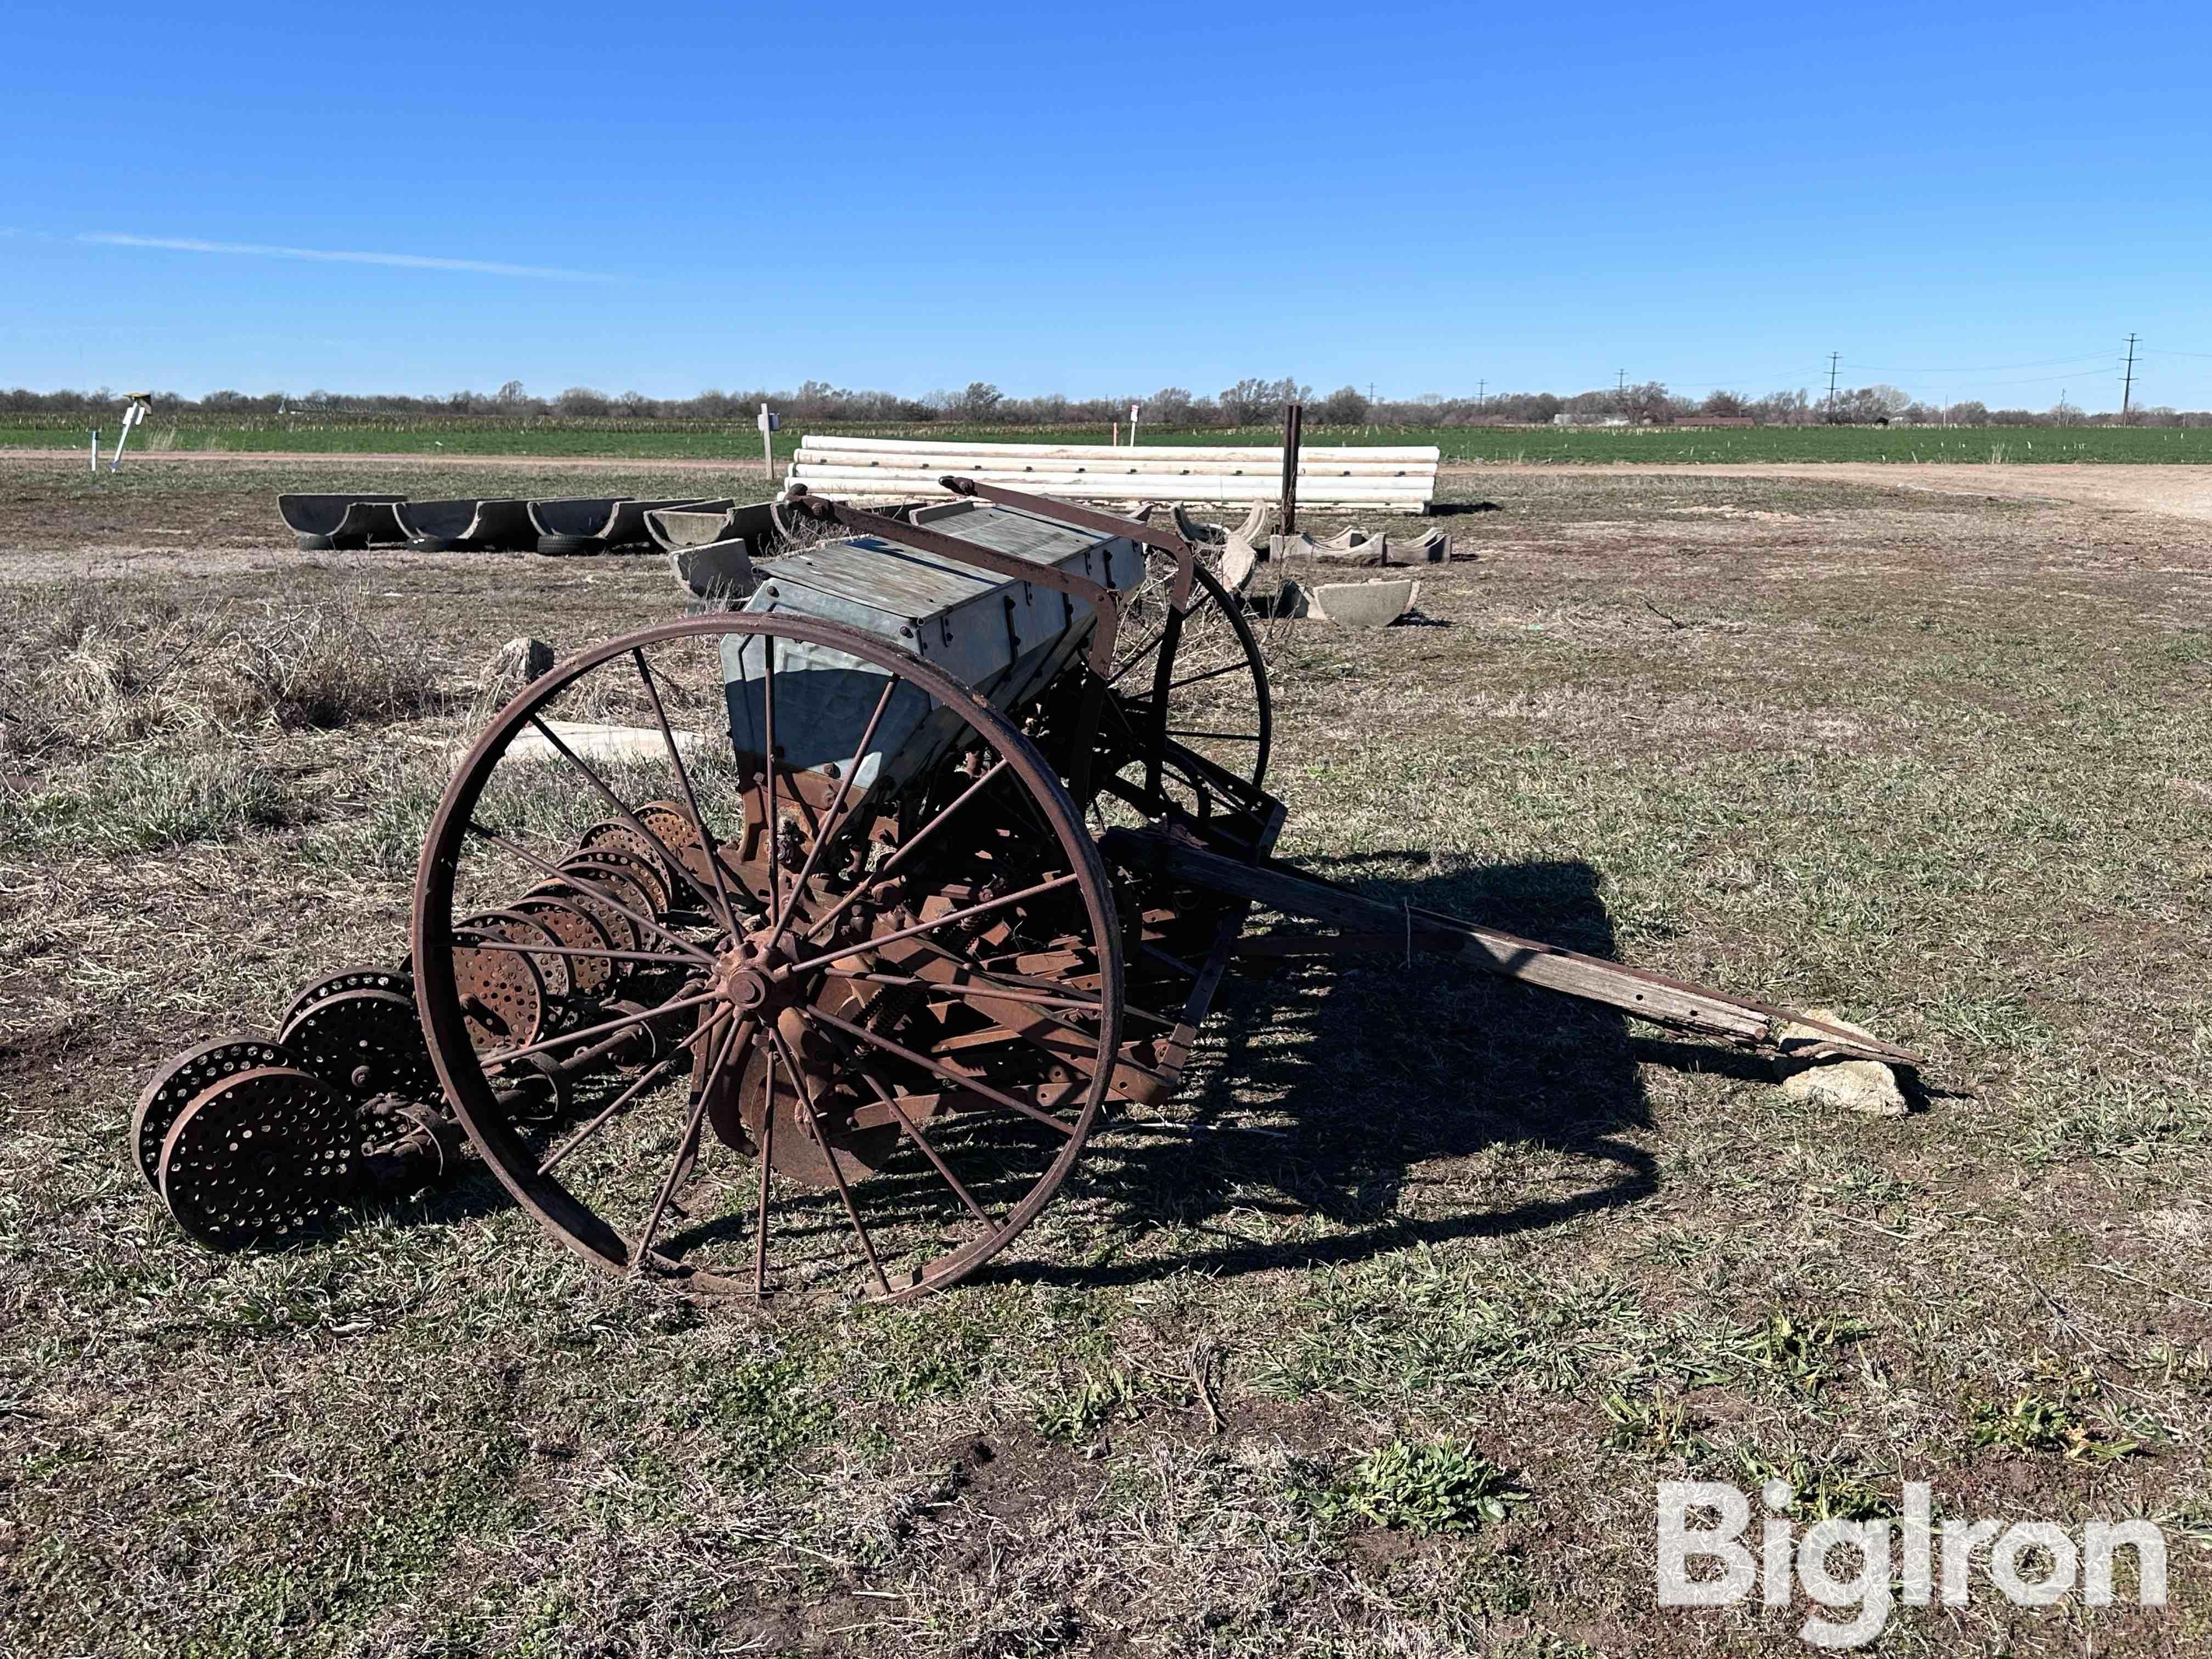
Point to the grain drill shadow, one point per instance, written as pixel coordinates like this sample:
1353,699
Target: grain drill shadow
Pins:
1376,1082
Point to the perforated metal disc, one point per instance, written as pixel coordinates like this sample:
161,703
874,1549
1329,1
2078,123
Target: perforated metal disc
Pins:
672,823
617,837
618,928
348,979
607,864
260,1159
571,925
503,996
181,1077
364,1042
517,928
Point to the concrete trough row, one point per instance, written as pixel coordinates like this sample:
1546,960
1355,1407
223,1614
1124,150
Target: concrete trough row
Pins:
570,526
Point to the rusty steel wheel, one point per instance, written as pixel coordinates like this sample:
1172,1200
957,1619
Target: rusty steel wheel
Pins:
1195,678
880,971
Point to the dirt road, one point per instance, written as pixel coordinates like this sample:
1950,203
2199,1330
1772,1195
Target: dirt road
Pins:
2177,491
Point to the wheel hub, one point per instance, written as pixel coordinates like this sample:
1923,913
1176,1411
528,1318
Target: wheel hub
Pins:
755,977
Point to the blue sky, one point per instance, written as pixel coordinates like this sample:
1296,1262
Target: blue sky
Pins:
1971,200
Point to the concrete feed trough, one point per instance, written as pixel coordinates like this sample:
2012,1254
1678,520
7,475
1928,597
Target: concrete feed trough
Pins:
322,522
467,526
718,573
593,524
693,525
705,522
573,524
626,526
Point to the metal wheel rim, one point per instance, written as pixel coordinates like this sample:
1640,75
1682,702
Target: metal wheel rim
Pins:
544,1196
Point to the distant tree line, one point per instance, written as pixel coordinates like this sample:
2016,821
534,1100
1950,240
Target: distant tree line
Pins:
1249,403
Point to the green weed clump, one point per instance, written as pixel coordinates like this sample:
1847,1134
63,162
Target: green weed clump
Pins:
149,802
1822,1489
1077,1414
1432,1486
2041,1422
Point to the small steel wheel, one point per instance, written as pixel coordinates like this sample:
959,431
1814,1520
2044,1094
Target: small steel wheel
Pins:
361,1042
260,1159
881,995
1193,677
182,1077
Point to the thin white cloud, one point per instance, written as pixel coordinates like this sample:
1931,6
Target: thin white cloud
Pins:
410,261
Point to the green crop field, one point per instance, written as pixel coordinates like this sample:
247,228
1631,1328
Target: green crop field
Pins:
644,439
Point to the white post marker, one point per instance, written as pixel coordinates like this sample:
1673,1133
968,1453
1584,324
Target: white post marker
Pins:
769,423
1133,426
95,449
134,412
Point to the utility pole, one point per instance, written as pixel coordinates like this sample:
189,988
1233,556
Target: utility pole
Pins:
2127,386
1481,386
1833,358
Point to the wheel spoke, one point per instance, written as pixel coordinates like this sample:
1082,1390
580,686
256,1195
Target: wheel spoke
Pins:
546,1044
475,941
659,1069
767,1162
971,912
959,1079
720,907
829,819
708,843
1217,736
982,992
898,857
739,1033
1240,666
573,878
914,1133
1134,658
771,828
830,1155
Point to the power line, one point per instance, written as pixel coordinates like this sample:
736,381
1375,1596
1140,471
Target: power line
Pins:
1834,357
1987,368
2127,386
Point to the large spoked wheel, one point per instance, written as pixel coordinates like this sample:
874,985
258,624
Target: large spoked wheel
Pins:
839,986
1193,677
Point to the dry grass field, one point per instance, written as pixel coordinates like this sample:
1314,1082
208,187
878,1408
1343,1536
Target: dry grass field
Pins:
1376,1341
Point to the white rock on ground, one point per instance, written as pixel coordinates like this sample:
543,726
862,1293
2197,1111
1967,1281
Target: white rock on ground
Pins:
1851,1085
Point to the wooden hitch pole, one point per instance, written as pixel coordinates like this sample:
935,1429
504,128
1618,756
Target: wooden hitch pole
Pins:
1294,420
1648,996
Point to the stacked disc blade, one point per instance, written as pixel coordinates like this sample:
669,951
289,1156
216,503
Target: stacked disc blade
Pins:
254,1140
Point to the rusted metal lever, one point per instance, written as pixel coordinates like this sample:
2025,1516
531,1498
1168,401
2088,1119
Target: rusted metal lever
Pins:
1090,518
